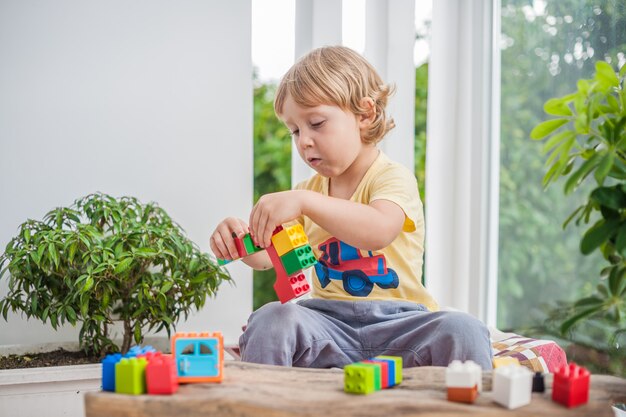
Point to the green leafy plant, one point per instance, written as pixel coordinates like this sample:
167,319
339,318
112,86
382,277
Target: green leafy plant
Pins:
587,138
104,260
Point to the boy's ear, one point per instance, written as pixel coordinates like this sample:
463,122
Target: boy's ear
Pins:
367,118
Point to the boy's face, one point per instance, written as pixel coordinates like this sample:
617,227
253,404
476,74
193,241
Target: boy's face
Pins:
327,137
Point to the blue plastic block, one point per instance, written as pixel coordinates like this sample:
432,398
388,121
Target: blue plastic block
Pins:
108,371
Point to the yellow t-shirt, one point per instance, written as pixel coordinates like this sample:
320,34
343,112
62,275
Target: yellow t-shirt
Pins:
393,273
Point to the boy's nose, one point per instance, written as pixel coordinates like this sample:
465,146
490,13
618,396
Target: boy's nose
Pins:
305,140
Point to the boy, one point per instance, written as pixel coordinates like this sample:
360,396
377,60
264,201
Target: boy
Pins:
364,220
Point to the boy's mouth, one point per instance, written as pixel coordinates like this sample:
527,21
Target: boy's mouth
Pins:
314,161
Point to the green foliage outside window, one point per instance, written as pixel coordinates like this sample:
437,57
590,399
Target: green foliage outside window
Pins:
541,270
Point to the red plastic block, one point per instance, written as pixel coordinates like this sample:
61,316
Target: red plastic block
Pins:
161,376
288,288
276,262
570,386
384,372
241,249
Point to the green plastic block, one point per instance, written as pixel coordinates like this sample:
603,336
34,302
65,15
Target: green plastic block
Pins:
397,368
360,378
249,245
130,376
298,259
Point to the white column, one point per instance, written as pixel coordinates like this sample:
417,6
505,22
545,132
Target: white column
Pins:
318,23
462,158
389,44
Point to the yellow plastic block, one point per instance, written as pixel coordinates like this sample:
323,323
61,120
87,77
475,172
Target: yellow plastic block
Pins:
289,238
505,361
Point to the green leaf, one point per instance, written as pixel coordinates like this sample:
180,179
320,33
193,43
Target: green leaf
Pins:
88,284
605,74
612,197
137,333
52,250
574,180
166,286
567,324
615,281
589,301
557,139
123,266
71,314
597,235
557,107
545,128
620,243
604,167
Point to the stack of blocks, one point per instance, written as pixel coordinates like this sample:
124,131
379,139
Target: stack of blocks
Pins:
463,381
372,375
570,386
290,253
512,386
196,357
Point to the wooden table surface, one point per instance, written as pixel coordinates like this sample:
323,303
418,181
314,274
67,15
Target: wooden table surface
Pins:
263,390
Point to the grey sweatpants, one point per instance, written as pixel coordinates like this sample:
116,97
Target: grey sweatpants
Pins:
329,333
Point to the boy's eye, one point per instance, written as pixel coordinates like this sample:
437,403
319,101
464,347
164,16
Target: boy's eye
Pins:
295,132
318,124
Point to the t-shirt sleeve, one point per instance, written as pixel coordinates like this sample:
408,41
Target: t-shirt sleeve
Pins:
397,184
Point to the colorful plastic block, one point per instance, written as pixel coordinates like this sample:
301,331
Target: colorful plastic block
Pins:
130,376
570,386
241,249
289,239
250,246
512,386
384,371
161,376
298,259
504,361
360,378
463,380
288,288
199,356
462,395
108,371
539,384
395,368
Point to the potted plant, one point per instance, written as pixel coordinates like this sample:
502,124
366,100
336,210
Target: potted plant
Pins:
585,140
103,260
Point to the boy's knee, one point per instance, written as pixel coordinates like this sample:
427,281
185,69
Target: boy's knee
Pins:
460,324
274,320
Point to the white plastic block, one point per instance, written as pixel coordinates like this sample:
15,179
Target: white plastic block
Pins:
464,375
512,386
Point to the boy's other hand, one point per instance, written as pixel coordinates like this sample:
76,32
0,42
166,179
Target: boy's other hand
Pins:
271,211
222,240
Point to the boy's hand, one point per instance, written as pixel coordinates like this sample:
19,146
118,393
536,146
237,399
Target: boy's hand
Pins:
271,211
222,240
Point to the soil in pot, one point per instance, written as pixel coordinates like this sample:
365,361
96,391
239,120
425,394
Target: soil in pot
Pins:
59,357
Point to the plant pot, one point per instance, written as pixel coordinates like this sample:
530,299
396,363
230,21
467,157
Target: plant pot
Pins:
37,392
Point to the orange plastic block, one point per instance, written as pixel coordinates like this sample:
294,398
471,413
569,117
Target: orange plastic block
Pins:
463,395
288,239
199,357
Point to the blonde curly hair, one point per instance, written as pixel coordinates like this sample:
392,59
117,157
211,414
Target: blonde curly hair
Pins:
336,75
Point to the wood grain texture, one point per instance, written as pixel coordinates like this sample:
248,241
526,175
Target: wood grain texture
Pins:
262,390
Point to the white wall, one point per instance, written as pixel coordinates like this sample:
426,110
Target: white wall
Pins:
145,98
